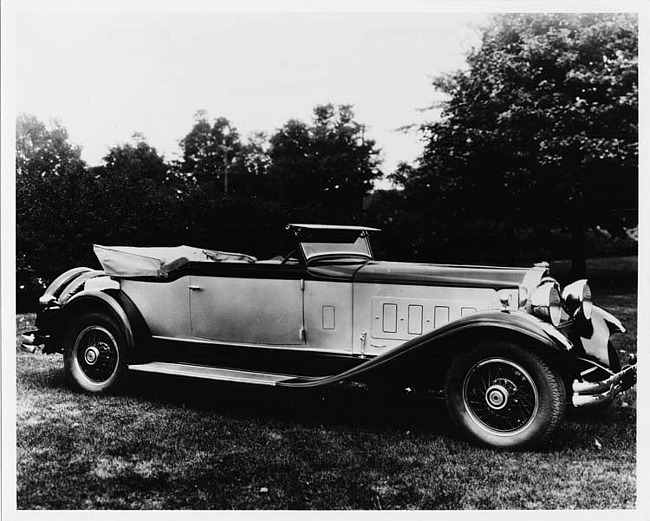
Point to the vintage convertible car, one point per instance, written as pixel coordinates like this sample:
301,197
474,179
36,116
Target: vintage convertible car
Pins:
506,348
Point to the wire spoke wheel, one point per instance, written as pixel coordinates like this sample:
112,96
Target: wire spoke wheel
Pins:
97,353
504,396
500,396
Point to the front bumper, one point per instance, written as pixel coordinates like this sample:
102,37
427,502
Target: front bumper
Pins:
586,394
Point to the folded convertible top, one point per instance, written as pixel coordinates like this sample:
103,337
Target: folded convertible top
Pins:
131,261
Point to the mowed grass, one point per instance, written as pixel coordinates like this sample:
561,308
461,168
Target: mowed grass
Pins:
172,443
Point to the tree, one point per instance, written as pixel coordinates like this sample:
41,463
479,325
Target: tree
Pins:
541,128
248,169
329,162
136,195
208,151
51,187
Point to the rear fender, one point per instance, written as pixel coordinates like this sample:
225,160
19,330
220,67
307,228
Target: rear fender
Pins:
75,286
97,301
57,286
139,328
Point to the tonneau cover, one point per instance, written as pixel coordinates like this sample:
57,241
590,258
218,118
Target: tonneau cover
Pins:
131,261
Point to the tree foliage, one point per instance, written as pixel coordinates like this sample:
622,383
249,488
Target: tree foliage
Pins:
208,151
328,162
540,129
51,186
136,195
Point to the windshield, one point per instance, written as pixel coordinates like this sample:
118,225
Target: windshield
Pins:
336,244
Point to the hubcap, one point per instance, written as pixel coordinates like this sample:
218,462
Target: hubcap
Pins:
91,355
96,353
496,397
500,396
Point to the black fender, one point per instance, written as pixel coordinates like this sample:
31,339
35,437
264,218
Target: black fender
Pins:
57,286
94,300
116,304
519,327
592,337
76,285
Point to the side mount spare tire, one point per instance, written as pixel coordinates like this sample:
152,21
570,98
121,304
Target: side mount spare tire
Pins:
504,396
94,353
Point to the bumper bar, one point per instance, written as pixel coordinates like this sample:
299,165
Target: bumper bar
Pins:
30,340
587,394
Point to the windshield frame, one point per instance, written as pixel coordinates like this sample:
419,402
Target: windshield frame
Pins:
359,248
333,242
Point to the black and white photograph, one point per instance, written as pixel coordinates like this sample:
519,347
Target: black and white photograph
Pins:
323,257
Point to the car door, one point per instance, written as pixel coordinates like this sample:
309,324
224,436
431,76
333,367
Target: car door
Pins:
248,304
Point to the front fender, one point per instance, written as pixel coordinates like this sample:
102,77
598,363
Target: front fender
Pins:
492,324
593,335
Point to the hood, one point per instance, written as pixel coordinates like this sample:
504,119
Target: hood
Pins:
448,275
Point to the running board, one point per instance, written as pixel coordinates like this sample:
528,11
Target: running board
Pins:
212,373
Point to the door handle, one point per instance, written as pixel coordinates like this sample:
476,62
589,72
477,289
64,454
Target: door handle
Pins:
196,288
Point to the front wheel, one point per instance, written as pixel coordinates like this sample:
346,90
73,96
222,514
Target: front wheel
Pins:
94,353
503,396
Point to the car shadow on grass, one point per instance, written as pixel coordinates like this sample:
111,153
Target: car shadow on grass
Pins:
343,404
353,405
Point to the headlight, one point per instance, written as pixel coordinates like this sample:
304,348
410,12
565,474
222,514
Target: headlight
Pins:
546,302
577,296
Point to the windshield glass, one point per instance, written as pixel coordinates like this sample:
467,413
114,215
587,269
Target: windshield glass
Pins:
331,244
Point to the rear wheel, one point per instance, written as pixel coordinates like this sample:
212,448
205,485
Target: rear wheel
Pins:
94,353
501,395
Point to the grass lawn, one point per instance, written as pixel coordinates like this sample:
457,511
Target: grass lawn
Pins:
170,443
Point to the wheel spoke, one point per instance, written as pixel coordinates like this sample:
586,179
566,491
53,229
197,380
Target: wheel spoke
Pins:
97,353
500,395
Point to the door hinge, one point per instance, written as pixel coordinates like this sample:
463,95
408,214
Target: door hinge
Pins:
302,333
302,284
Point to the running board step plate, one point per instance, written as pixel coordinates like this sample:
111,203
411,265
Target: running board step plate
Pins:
211,373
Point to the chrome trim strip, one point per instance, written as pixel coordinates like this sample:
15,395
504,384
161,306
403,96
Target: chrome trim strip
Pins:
299,348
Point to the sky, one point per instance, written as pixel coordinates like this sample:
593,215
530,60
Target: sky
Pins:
107,75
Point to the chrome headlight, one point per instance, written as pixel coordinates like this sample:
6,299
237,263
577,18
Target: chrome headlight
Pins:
577,296
546,303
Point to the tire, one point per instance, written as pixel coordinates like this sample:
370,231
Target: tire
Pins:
94,353
503,396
